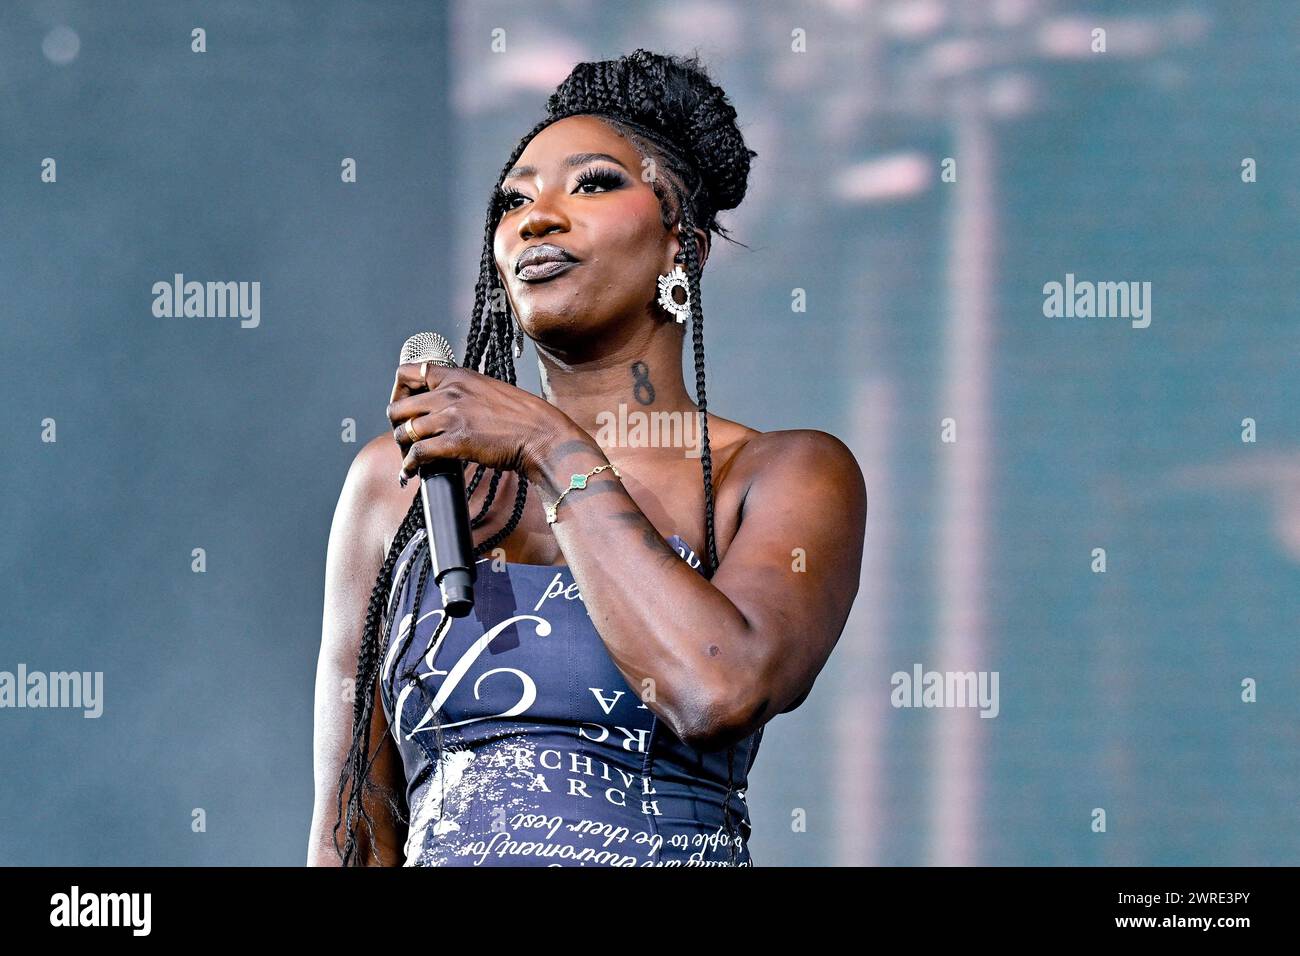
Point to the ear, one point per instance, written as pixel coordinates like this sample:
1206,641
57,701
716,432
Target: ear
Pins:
701,242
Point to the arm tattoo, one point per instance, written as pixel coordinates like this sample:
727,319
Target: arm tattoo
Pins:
649,536
567,448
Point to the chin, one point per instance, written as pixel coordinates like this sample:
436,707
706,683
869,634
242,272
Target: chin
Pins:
555,328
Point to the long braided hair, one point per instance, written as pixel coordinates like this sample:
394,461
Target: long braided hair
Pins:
670,110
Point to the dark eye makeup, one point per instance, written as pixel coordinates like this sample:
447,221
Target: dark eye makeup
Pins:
602,176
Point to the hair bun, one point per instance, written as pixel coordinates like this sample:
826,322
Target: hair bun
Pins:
674,97
719,150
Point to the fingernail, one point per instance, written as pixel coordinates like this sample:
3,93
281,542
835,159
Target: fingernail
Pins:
402,479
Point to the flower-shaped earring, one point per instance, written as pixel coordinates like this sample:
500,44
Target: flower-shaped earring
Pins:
667,283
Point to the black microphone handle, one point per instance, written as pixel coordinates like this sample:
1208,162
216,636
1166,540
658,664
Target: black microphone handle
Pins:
446,522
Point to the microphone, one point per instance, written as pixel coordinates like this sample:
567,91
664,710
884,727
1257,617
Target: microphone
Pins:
442,491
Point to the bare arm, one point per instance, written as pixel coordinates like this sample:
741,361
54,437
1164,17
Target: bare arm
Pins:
352,564
727,654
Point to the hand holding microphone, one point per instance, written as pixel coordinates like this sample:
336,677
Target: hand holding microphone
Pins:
443,416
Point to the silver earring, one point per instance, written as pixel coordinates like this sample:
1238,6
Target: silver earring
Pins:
667,283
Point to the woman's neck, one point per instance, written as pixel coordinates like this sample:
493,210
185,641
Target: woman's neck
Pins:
643,376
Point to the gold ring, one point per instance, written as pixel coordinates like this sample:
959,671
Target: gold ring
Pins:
410,432
424,371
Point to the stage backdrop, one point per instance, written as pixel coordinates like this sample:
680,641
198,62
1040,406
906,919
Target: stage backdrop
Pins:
1033,261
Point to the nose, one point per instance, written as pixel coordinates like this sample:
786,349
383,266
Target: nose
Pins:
542,219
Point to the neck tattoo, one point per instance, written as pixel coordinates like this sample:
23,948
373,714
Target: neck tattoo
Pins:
642,389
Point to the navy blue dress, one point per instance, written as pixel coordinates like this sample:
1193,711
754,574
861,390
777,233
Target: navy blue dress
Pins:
550,758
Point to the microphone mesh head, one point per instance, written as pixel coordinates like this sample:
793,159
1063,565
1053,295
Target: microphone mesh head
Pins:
428,347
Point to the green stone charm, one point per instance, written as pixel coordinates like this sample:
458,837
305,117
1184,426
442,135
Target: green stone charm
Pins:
576,483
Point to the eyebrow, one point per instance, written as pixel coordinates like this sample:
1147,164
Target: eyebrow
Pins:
577,159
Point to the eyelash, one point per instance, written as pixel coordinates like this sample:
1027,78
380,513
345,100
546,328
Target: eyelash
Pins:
606,178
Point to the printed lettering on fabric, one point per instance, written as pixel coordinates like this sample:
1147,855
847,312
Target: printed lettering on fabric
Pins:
524,745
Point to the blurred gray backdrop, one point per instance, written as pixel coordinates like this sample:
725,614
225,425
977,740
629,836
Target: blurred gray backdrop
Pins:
925,168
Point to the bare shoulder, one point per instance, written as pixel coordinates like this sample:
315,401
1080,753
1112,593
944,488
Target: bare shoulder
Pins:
374,477
804,458
382,452
374,469
376,466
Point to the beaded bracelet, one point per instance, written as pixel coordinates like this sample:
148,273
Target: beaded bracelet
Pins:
576,482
